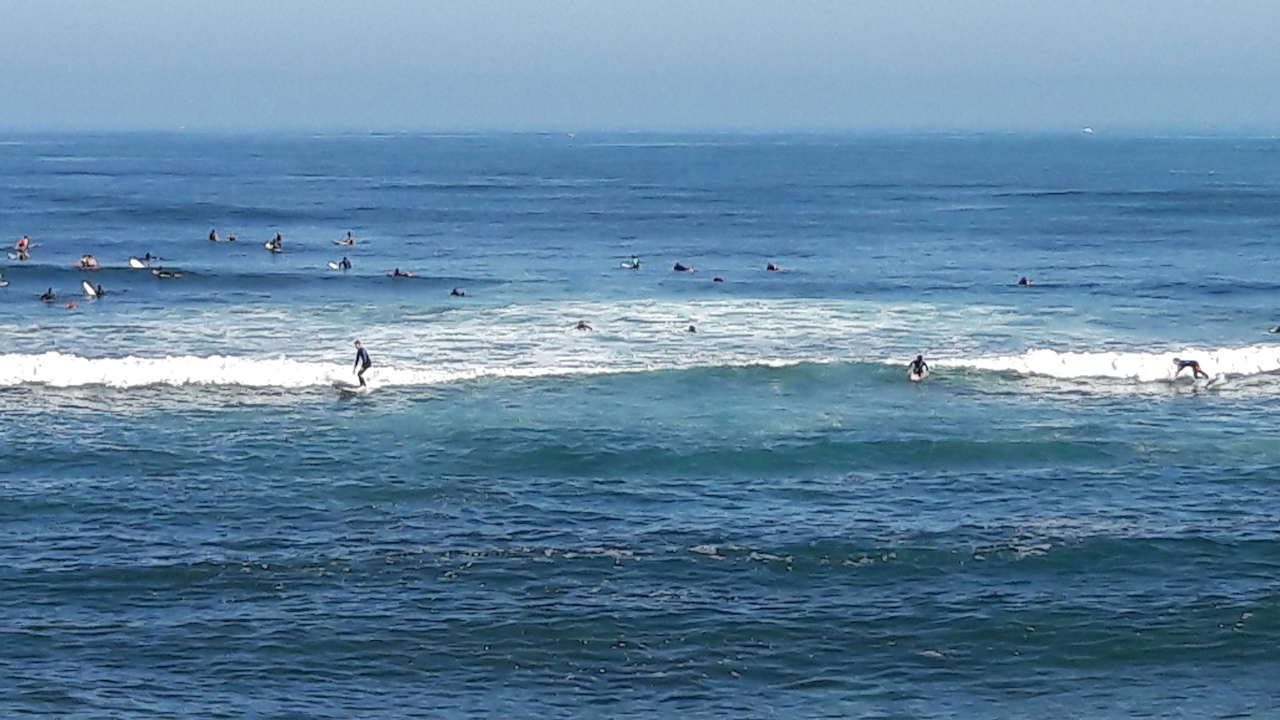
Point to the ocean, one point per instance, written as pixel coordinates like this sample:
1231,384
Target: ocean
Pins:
761,518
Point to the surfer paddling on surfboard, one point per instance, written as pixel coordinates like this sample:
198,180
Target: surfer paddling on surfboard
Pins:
918,368
1196,372
362,362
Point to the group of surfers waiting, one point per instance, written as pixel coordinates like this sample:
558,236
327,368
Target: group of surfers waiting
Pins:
916,370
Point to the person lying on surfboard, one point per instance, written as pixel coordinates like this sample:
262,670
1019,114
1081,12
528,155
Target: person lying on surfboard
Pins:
362,362
918,367
1196,372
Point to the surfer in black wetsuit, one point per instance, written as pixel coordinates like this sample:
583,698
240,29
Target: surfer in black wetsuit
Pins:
1196,372
362,362
918,367
213,236
48,296
345,264
457,293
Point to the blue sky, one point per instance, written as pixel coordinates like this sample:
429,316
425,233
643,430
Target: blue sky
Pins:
581,65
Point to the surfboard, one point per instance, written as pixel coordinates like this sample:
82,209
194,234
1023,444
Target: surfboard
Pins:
136,264
917,376
333,265
347,389
89,291
4,283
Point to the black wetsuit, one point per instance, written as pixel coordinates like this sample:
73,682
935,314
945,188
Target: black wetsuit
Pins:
363,362
918,367
1195,368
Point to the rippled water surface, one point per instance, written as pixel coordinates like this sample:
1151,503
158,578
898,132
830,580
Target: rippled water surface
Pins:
762,518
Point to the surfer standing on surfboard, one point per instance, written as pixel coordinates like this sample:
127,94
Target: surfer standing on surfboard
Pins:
362,361
1196,372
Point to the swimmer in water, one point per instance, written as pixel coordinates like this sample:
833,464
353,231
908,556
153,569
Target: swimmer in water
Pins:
582,325
682,268
772,268
1196,372
1024,282
457,293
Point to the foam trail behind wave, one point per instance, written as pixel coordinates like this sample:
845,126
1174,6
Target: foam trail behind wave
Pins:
55,369
1136,366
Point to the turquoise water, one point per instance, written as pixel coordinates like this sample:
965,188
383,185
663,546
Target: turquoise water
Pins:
759,519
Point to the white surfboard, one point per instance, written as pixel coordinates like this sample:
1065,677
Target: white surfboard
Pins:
89,290
917,376
333,265
136,264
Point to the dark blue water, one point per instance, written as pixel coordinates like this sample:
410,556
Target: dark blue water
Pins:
762,518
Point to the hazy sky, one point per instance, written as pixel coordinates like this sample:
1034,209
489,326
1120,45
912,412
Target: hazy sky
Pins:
560,65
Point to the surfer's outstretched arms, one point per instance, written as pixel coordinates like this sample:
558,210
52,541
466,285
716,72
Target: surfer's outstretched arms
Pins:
1195,368
362,362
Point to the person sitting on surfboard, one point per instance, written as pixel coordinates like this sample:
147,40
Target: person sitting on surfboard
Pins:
680,267
1024,282
772,268
276,244
48,296
88,262
362,362
23,244
397,273
632,264
918,367
348,240
1196,372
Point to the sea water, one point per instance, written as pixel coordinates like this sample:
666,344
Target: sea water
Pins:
762,518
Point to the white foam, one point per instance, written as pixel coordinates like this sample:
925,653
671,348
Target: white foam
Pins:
1137,366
